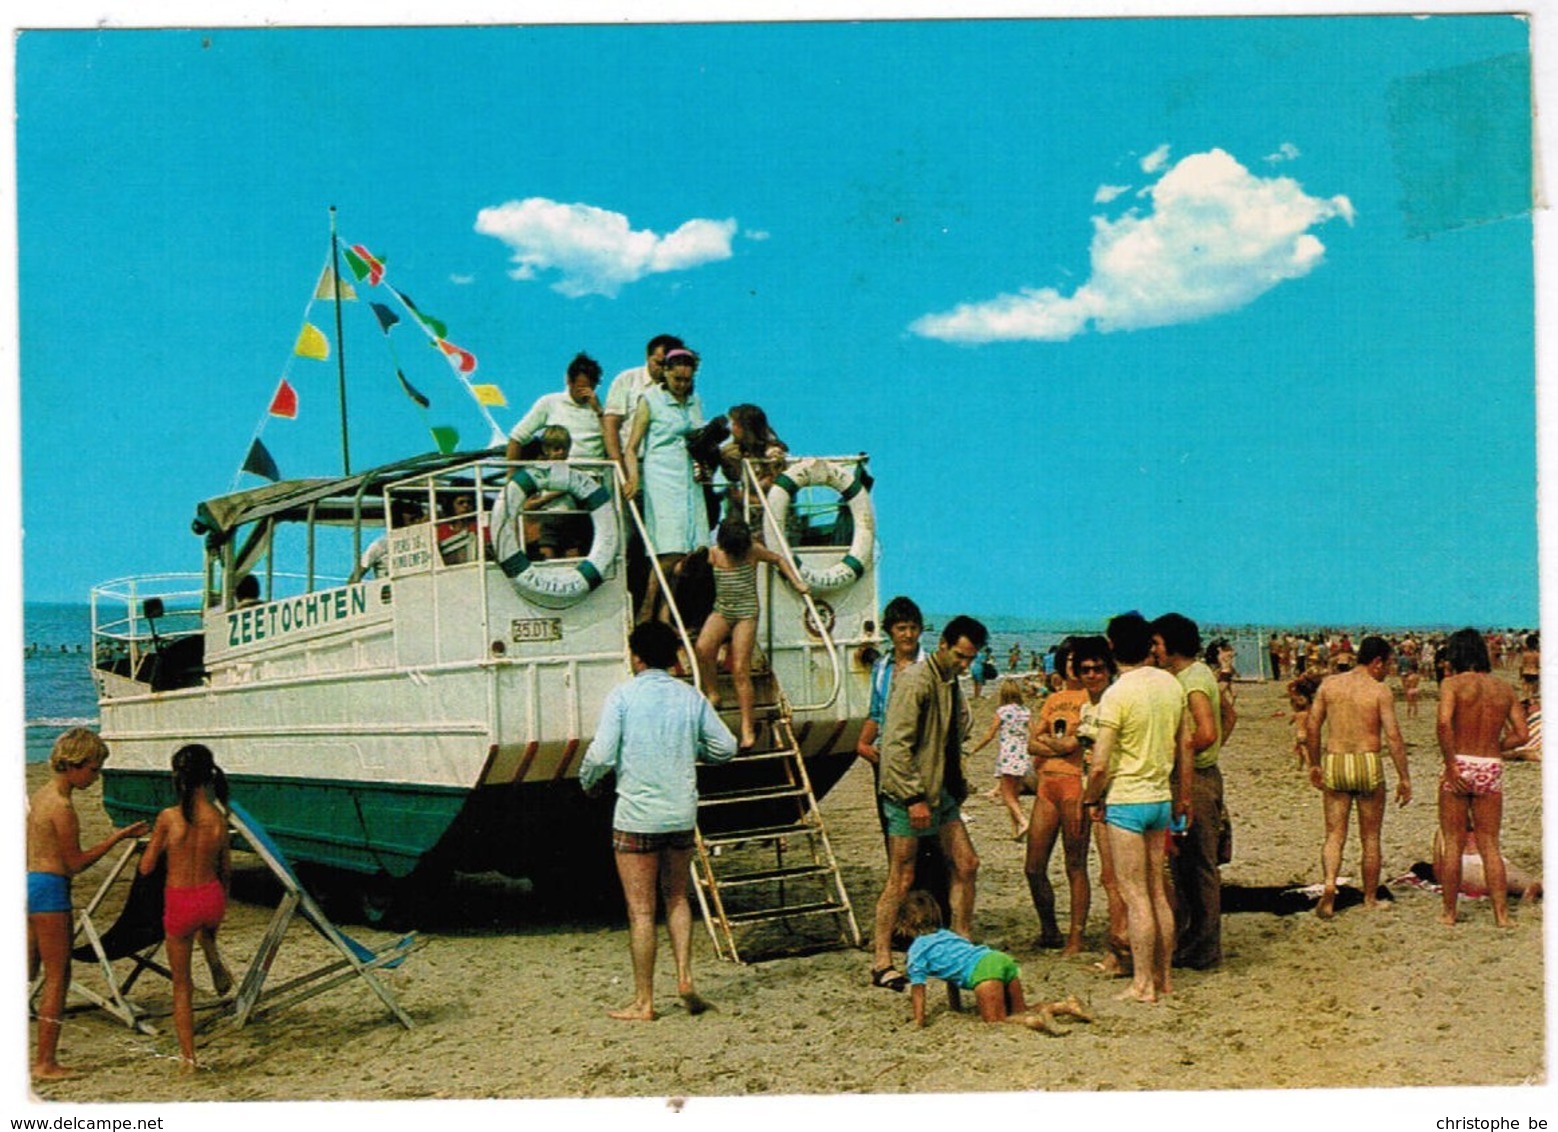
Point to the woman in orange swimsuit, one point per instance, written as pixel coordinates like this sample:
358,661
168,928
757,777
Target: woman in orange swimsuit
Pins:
1056,741
193,834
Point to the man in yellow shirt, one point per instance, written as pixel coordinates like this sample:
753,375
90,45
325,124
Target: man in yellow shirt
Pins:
1141,755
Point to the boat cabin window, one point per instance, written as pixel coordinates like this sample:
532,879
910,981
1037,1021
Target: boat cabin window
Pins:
406,510
820,517
555,527
457,529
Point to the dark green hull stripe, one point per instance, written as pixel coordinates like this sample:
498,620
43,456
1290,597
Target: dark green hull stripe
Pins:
360,826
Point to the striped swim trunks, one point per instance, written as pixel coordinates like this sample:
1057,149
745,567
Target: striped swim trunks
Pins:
1349,772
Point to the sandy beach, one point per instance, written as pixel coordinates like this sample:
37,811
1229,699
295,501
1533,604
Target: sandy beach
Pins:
510,992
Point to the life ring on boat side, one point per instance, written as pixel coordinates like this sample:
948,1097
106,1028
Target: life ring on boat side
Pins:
549,586
850,484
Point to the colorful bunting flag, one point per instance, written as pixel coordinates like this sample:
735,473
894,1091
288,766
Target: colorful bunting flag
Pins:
446,437
488,395
434,326
364,264
462,360
326,289
387,318
412,391
260,463
285,402
312,344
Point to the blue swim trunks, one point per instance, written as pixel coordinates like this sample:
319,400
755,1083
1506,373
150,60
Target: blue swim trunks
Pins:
897,815
47,892
1138,817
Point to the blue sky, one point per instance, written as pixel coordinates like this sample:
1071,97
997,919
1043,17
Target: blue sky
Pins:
1192,314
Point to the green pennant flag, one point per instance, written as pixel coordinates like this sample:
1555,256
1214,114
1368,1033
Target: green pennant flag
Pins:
434,325
364,264
446,437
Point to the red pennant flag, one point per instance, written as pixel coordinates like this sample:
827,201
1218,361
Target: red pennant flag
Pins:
462,360
285,402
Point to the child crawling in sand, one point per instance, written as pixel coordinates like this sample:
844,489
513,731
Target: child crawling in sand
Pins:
193,834
992,975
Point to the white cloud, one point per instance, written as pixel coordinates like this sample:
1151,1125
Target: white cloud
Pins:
462,280
1155,160
1287,151
756,234
1216,238
594,251
1107,193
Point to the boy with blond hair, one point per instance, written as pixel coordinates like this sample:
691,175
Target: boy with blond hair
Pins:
54,855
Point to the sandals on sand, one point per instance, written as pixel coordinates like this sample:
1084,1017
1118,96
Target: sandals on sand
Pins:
889,978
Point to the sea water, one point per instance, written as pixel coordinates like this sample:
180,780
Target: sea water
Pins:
56,668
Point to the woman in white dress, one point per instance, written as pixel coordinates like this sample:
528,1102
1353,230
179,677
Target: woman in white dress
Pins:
657,460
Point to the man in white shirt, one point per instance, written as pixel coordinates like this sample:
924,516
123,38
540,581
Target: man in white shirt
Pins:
628,386
576,408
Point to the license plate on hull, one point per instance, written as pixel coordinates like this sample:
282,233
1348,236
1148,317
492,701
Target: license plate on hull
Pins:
525,630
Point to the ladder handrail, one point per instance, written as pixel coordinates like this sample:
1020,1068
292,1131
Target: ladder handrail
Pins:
749,475
665,588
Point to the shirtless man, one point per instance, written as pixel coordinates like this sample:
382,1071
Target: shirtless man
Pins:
1480,718
1360,708
54,855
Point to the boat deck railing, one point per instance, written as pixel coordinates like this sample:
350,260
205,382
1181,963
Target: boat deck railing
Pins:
134,617
433,492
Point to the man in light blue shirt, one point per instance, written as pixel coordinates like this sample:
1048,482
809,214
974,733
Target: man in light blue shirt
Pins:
652,731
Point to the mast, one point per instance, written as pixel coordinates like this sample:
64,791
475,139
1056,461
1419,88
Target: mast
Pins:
340,344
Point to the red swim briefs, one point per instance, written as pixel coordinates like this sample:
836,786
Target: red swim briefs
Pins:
187,910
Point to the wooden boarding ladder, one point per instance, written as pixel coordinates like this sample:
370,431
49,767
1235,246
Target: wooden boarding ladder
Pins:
763,855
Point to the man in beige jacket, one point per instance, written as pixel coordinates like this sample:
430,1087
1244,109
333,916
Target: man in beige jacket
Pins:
922,785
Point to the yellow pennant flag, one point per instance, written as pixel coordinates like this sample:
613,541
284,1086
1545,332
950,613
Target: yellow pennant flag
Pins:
326,288
312,344
488,395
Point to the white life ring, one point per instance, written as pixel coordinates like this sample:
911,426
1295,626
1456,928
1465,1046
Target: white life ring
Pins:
849,482
552,587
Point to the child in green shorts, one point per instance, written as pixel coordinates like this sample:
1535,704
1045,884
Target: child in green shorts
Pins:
992,975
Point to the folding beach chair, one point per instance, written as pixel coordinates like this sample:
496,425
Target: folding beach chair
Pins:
135,935
356,959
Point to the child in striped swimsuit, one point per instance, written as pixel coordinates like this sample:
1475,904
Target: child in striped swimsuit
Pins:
734,558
